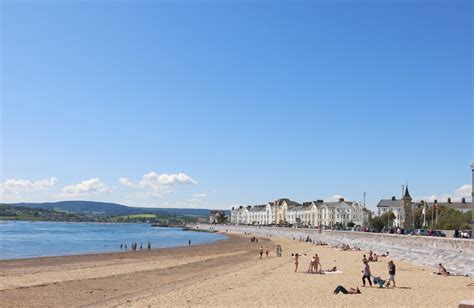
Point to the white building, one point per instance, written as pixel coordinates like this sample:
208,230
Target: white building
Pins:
309,214
393,205
239,215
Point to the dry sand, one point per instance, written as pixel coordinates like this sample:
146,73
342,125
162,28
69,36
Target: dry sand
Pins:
227,273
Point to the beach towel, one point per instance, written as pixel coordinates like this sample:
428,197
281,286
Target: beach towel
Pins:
336,272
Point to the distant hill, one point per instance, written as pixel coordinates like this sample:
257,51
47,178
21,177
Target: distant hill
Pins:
113,209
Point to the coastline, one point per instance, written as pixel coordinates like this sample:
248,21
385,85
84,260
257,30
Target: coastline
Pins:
224,273
21,240
105,254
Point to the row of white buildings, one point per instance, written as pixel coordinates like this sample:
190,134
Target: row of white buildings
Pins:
309,214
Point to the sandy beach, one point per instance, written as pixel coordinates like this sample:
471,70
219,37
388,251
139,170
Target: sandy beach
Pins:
226,273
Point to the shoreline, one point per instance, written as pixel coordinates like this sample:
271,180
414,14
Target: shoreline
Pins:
112,253
109,247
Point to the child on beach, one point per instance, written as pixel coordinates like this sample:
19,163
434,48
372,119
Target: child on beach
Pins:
379,281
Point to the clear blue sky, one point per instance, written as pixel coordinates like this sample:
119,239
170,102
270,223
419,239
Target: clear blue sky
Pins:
250,100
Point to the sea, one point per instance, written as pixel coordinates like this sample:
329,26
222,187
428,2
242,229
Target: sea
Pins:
24,239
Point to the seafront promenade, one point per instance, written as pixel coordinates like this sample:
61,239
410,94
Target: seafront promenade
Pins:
456,254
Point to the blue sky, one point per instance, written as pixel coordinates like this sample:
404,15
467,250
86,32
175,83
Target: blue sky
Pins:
211,104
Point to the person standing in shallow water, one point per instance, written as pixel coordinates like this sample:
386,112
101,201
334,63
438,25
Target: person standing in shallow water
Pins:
189,243
149,246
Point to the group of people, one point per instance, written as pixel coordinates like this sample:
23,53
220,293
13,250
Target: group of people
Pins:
314,265
134,246
267,251
367,274
278,250
346,247
444,272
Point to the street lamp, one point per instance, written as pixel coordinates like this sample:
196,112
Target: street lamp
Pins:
472,197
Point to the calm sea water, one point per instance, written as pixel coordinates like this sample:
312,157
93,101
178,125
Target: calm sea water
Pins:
21,239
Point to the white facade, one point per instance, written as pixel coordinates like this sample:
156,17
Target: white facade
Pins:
392,205
310,214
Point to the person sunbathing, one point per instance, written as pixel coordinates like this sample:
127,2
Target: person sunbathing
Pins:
341,289
442,270
332,270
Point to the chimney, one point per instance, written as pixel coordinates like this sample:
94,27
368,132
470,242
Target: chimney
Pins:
393,198
341,199
449,200
463,200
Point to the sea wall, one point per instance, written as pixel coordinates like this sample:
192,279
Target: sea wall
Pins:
456,254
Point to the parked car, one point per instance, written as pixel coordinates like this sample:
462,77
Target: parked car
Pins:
422,232
439,233
465,234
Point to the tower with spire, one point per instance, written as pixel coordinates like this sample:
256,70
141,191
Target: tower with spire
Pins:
407,209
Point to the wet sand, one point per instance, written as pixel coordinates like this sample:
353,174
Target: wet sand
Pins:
226,273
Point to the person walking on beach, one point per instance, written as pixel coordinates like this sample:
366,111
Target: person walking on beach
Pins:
121,246
391,273
141,246
267,251
366,274
149,246
261,252
189,243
